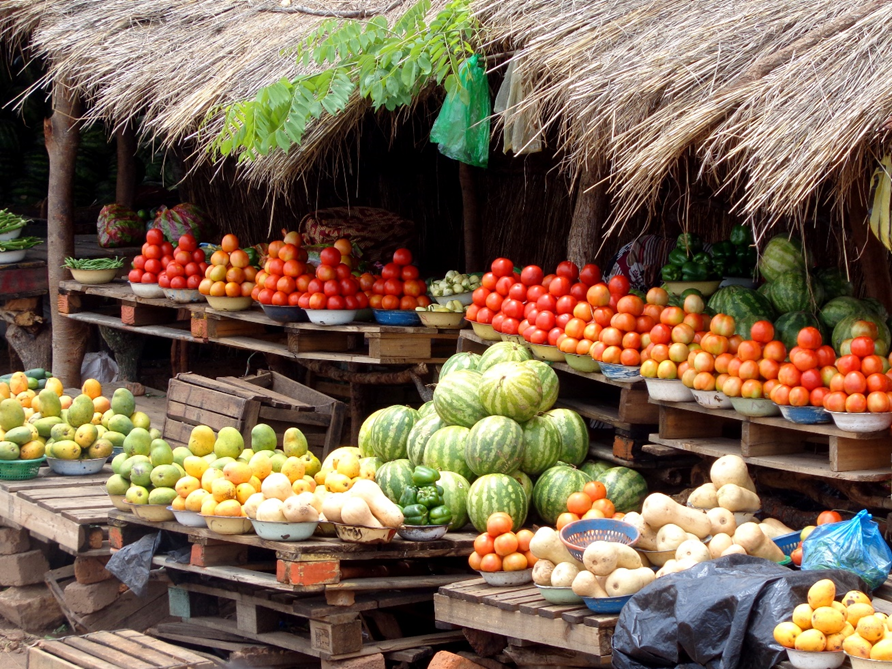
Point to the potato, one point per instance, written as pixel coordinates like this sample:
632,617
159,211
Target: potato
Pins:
563,574
542,572
731,469
703,497
546,545
659,509
602,557
586,585
735,498
718,544
628,581
734,549
755,543
647,536
692,550
722,521
670,537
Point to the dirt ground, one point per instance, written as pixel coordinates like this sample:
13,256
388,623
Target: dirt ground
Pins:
14,645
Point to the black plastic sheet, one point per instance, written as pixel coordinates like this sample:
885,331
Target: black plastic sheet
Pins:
719,614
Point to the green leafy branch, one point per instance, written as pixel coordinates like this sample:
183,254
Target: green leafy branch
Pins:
386,64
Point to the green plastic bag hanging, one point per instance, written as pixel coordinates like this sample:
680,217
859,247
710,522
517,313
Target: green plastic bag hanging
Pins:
462,127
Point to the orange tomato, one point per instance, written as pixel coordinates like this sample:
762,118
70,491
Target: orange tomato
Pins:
565,519
827,517
630,357
593,514
579,503
619,515
514,562
630,304
491,562
523,540
499,523
484,544
595,490
796,556
531,559
505,544
230,243
605,506
474,560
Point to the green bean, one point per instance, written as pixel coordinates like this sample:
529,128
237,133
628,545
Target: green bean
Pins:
94,263
10,221
20,243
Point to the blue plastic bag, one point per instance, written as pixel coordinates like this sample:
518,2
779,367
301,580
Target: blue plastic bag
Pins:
462,127
855,545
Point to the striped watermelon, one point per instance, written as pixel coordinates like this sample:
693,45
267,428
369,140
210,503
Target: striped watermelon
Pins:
787,327
427,409
739,302
574,435
445,451
838,308
365,435
393,477
455,496
794,291
554,487
626,488
874,305
465,360
525,482
595,468
495,446
782,255
835,283
496,492
843,330
504,351
511,389
457,398
419,436
390,432
541,445
549,380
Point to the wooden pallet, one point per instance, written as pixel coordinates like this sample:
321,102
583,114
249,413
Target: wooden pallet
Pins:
520,612
121,649
818,450
23,279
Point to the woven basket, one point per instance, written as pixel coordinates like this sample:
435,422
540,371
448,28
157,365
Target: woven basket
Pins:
20,470
576,536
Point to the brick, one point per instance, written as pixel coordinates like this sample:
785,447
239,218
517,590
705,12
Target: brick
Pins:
13,541
23,568
84,599
88,570
446,660
375,661
31,608
308,573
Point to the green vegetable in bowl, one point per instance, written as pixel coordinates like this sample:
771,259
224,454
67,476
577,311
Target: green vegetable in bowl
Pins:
94,263
20,244
10,222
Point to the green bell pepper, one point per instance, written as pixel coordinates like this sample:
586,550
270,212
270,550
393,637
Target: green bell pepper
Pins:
747,256
702,258
415,514
670,273
422,476
689,242
693,271
429,497
741,235
440,515
724,249
677,257
409,496
719,267
253,256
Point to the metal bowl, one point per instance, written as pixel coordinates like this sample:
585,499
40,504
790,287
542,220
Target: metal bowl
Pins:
629,373
147,290
9,236
706,288
357,534
182,295
515,339
506,578
557,595
79,467
669,390
120,502
819,659
325,529
93,277
861,422
154,513
445,320
485,331
805,415
284,314
606,604
422,532
228,524
331,316
547,353
9,257
229,303
279,531
754,407
582,363
861,662
712,399
188,518
396,317
465,298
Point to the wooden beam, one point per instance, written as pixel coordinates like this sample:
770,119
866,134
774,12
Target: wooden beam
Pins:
125,186
471,218
589,214
62,138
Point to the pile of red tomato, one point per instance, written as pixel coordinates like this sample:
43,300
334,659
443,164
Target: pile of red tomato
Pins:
399,286
187,268
859,383
230,273
334,286
500,549
156,254
590,502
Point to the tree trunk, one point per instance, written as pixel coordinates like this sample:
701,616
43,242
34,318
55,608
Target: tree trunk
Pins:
125,187
62,137
874,256
584,239
471,218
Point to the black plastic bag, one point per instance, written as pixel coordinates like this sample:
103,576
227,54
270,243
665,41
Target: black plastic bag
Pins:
719,615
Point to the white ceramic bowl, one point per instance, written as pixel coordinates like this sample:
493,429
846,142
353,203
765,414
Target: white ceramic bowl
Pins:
93,277
331,316
861,422
79,467
9,257
229,303
154,513
228,524
748,406
506,578
547,353
182,295
668,390
862,663
812,659
188,518
147,290
9,236
277,531
712,399
465,298
617,372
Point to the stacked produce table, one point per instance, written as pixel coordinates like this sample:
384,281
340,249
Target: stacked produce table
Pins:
319,586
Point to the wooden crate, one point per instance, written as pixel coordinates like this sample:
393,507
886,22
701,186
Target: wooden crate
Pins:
121,649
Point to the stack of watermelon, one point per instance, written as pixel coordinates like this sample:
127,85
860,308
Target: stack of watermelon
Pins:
491,422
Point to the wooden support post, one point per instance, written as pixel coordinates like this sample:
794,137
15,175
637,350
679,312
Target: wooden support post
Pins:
588,217
62,137
471,217
125,187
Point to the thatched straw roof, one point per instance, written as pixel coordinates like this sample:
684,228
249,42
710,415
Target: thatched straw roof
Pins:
774,101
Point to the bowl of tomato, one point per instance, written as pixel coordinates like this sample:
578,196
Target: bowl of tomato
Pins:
283,314
862,422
